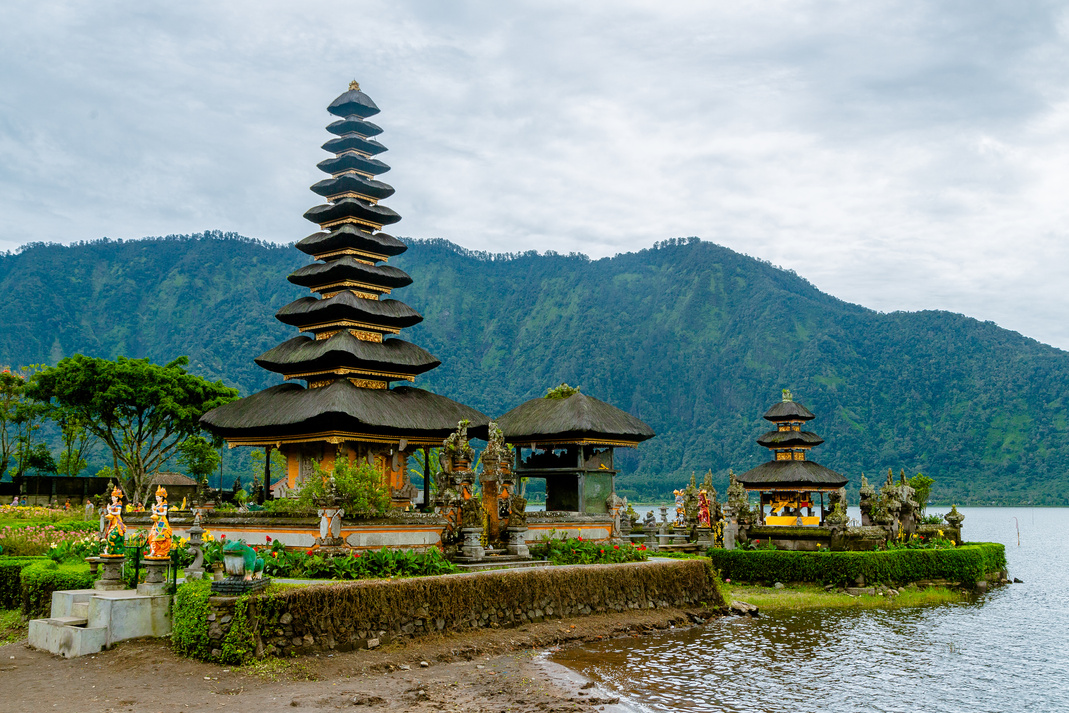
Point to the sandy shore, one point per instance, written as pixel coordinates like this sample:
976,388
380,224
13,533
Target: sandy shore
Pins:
495,670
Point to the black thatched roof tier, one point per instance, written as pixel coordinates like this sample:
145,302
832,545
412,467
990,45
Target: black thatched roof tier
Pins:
309,311
352,208
352,162
351,236
347,268
354,125
792,474
788,411
786,439
352,142
353,103
352,183
304,355
577,418
341,410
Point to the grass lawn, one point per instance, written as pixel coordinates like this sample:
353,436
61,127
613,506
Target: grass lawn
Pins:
808,596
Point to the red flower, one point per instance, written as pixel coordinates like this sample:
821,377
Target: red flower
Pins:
616,547
309,552
601,551
580,538
222,536
269,538
358,555
275,555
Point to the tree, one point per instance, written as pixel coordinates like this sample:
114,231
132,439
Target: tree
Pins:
76,438
12,389
142,411
199,457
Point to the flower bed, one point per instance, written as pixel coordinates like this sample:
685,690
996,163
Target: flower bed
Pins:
966,564
576,550
33,540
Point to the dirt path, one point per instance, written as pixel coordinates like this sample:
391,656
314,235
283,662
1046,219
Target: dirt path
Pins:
496,670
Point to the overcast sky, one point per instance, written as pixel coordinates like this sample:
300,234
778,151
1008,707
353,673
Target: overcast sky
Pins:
901,155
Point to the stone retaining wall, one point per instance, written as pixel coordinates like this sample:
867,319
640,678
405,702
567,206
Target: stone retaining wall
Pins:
365,614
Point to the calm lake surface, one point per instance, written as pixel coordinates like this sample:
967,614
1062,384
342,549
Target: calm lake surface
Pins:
1007,651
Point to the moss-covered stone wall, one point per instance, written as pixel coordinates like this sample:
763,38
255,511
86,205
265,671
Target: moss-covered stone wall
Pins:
365,614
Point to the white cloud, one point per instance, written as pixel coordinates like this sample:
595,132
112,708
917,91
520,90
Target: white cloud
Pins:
899,155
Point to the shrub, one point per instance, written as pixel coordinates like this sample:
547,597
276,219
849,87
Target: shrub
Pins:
360,487
576,550
280,562
11,579
189,619
40,579
967,564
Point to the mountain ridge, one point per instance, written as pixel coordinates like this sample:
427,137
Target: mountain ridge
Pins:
692,337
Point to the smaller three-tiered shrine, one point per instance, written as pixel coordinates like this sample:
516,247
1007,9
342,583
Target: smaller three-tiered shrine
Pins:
789,481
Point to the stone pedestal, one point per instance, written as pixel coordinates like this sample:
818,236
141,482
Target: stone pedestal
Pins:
731,534
651,540
663,538
111,574
705,538
472,547
518,541
155,576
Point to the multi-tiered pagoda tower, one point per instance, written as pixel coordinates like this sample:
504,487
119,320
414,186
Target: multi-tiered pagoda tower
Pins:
787,483
347,355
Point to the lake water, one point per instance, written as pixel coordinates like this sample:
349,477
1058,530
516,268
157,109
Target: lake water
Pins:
1006,651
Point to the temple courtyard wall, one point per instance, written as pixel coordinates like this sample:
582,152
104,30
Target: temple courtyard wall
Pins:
365,614
399,530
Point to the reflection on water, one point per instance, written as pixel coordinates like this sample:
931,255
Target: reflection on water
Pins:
1007,651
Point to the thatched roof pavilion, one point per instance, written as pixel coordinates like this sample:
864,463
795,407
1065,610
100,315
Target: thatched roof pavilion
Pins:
567,438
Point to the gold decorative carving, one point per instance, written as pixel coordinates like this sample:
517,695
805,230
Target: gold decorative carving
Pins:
349,285
341,371
799,455
352,251
350,324
352,194
365,295
368,383
355,221
354,86
783,455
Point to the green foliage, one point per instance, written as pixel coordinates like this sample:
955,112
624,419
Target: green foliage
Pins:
968,563
142,411
189,619
27,540
40,579
359,486
576,550
371,564
239,644
694,338
922,489
199,457
11,579
561,392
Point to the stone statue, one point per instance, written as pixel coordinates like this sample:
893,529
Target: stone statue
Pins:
114,527
241,561
457,448
615,504
704,519
517,511
649,523
160,534
867,496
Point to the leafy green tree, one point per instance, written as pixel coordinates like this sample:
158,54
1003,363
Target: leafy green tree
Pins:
77,441
359,486
142,411
199,457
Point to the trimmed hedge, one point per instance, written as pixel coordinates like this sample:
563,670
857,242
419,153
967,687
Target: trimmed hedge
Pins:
11,579
966,564
40,579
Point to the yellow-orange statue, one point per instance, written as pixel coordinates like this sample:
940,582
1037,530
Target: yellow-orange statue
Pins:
159,537
114,527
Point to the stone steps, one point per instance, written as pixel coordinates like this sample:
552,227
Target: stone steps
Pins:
86,621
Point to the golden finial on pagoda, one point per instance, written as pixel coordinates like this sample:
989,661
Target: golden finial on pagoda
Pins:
354,86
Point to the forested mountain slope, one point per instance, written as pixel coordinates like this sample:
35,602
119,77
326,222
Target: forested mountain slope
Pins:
695,339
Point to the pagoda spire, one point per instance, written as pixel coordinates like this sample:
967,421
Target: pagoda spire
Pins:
349,318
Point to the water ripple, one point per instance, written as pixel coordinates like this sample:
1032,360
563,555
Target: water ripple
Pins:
1007,651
